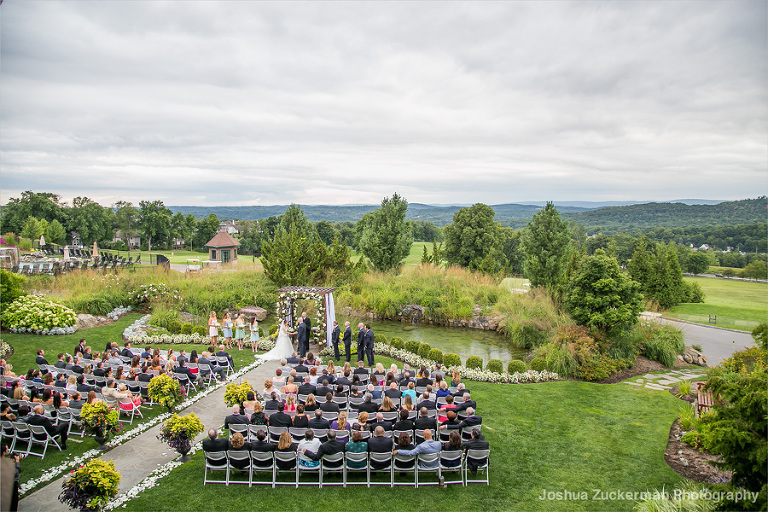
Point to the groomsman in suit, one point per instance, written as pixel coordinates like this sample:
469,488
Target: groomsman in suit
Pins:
335,340
369,344
301,334
360,341
347,339
306,320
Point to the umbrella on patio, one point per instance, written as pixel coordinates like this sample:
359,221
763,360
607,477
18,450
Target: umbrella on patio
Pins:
95,250
42,241
66,252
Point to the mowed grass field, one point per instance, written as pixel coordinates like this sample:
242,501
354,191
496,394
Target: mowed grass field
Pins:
738,304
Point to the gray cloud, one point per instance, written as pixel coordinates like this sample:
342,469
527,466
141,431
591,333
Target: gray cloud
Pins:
329,103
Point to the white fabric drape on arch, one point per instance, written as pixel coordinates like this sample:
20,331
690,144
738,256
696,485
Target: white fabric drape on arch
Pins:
330,316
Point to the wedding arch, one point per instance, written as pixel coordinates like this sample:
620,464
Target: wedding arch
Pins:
325,310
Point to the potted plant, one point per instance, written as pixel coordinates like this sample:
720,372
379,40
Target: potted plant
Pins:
236,394
179,431
166,391
91,486
100,421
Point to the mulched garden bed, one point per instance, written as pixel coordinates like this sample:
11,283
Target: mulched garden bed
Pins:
691,463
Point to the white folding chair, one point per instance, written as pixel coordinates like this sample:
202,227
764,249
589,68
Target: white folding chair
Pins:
483,460
40,437
263,462
21,436
333,463
403,464
356,459
432,463
126,406
238,460
451,462
300,469
215,461
288,465
384,463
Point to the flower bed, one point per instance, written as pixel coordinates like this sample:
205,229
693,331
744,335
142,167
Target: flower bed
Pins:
38,315
129,333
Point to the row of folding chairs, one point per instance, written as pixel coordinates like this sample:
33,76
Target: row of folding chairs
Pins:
297,433
24,438
265,468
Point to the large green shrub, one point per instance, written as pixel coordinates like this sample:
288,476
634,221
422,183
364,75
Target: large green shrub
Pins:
11,286
186,328
412,346
199,329
495,365
451,360
91,486
538,364
382,339
34,313
601,367
516,366
397,343
436,355
475,362
424,349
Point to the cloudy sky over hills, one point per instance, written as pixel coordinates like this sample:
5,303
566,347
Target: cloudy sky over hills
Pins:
254,103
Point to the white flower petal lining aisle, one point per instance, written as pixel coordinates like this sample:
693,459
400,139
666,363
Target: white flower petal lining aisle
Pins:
56,471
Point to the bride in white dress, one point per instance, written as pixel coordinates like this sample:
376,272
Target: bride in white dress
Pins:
283,345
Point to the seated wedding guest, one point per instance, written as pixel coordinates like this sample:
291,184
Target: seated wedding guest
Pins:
92,399
237,442
182,356
424,421
392,391
449,405
145,376
323,389
18,392
280,419
344,379
290,403
329,405
301,420
261,444
39,419
356,381
361,369
147,353
170,366
119,373
290,388
114,359
476,443
76,400
278,380
235,417
221,353
407,378
437,371
5,412
368,404
453,444
331,367
340,391
428,446
309,404
155,365
286,444
330,447
460,390
71,383
354,392
424,380
205,358
214,443
438,381
122,392
387,405
443,389
425,400
306,387
394,370
60,363
34,395
99,371
361,421
318,422
341,422
82,386
407,404
381,422
301,368
258,417
193,357
403,443
356,445
451,421
48,379
313,375
471,420
250,401
455,379
292,360
273,402
378,443
269,389
61,381
379,373
403,423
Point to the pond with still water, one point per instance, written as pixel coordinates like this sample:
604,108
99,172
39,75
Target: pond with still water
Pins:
457,340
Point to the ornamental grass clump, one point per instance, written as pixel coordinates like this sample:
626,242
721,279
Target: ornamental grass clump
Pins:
165,390
91,486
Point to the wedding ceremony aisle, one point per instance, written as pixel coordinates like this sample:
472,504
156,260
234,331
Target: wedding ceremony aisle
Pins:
137,458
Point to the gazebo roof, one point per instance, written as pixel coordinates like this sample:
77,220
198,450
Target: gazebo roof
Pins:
223,239
306,289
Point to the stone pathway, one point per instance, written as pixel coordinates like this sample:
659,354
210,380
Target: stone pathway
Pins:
137,458
666,381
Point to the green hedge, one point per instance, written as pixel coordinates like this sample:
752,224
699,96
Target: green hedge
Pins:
186,328
436,355
397,343
538,364
412,346
199,329
495,365
474,362
516,365
450,360
424,349
382,339
174,327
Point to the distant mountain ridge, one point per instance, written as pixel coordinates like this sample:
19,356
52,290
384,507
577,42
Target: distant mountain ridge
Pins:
628,217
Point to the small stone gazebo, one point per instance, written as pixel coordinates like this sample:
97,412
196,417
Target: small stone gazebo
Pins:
222,247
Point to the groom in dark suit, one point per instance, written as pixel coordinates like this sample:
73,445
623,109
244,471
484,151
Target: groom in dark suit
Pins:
361,341
369,343
301,335
335,340
347,339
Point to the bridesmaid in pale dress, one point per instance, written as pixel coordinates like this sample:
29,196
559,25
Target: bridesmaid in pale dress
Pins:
240,331
213,328
226,328
254,334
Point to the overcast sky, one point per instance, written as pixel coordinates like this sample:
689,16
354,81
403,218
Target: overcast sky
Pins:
258,103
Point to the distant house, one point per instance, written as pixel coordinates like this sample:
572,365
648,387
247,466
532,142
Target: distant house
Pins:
222,247
229,226
178,243
134,241
704,247
75,237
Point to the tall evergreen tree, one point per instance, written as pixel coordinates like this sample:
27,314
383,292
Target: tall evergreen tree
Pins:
547,246
386,237
472,236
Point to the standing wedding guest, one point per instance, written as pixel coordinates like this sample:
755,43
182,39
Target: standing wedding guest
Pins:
335,340
360,341
254,334
240,331
213,328
226,329
347,340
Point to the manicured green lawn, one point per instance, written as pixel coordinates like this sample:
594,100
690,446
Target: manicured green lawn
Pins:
737,304
544,437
